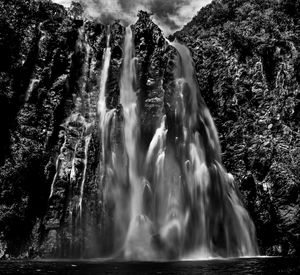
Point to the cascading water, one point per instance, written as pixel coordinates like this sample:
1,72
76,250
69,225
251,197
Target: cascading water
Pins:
57,164
86,148
128,100
170,200
103,81
182,202
104,114
217,223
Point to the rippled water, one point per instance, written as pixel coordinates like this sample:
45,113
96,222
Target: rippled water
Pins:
222,266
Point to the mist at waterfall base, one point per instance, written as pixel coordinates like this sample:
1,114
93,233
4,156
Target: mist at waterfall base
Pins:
173,200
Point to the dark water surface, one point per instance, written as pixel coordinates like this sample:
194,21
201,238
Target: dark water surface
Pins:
222,266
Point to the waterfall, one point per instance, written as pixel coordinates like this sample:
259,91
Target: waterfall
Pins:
170,198
57,163
128,100
85,161
102,111
182,202
103,80
87,137
217,223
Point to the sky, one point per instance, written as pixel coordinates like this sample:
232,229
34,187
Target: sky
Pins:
170,15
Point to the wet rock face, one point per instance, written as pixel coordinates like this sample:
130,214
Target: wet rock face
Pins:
37,39
248,76
155,68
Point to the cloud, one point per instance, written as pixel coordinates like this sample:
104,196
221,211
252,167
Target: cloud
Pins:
170,15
